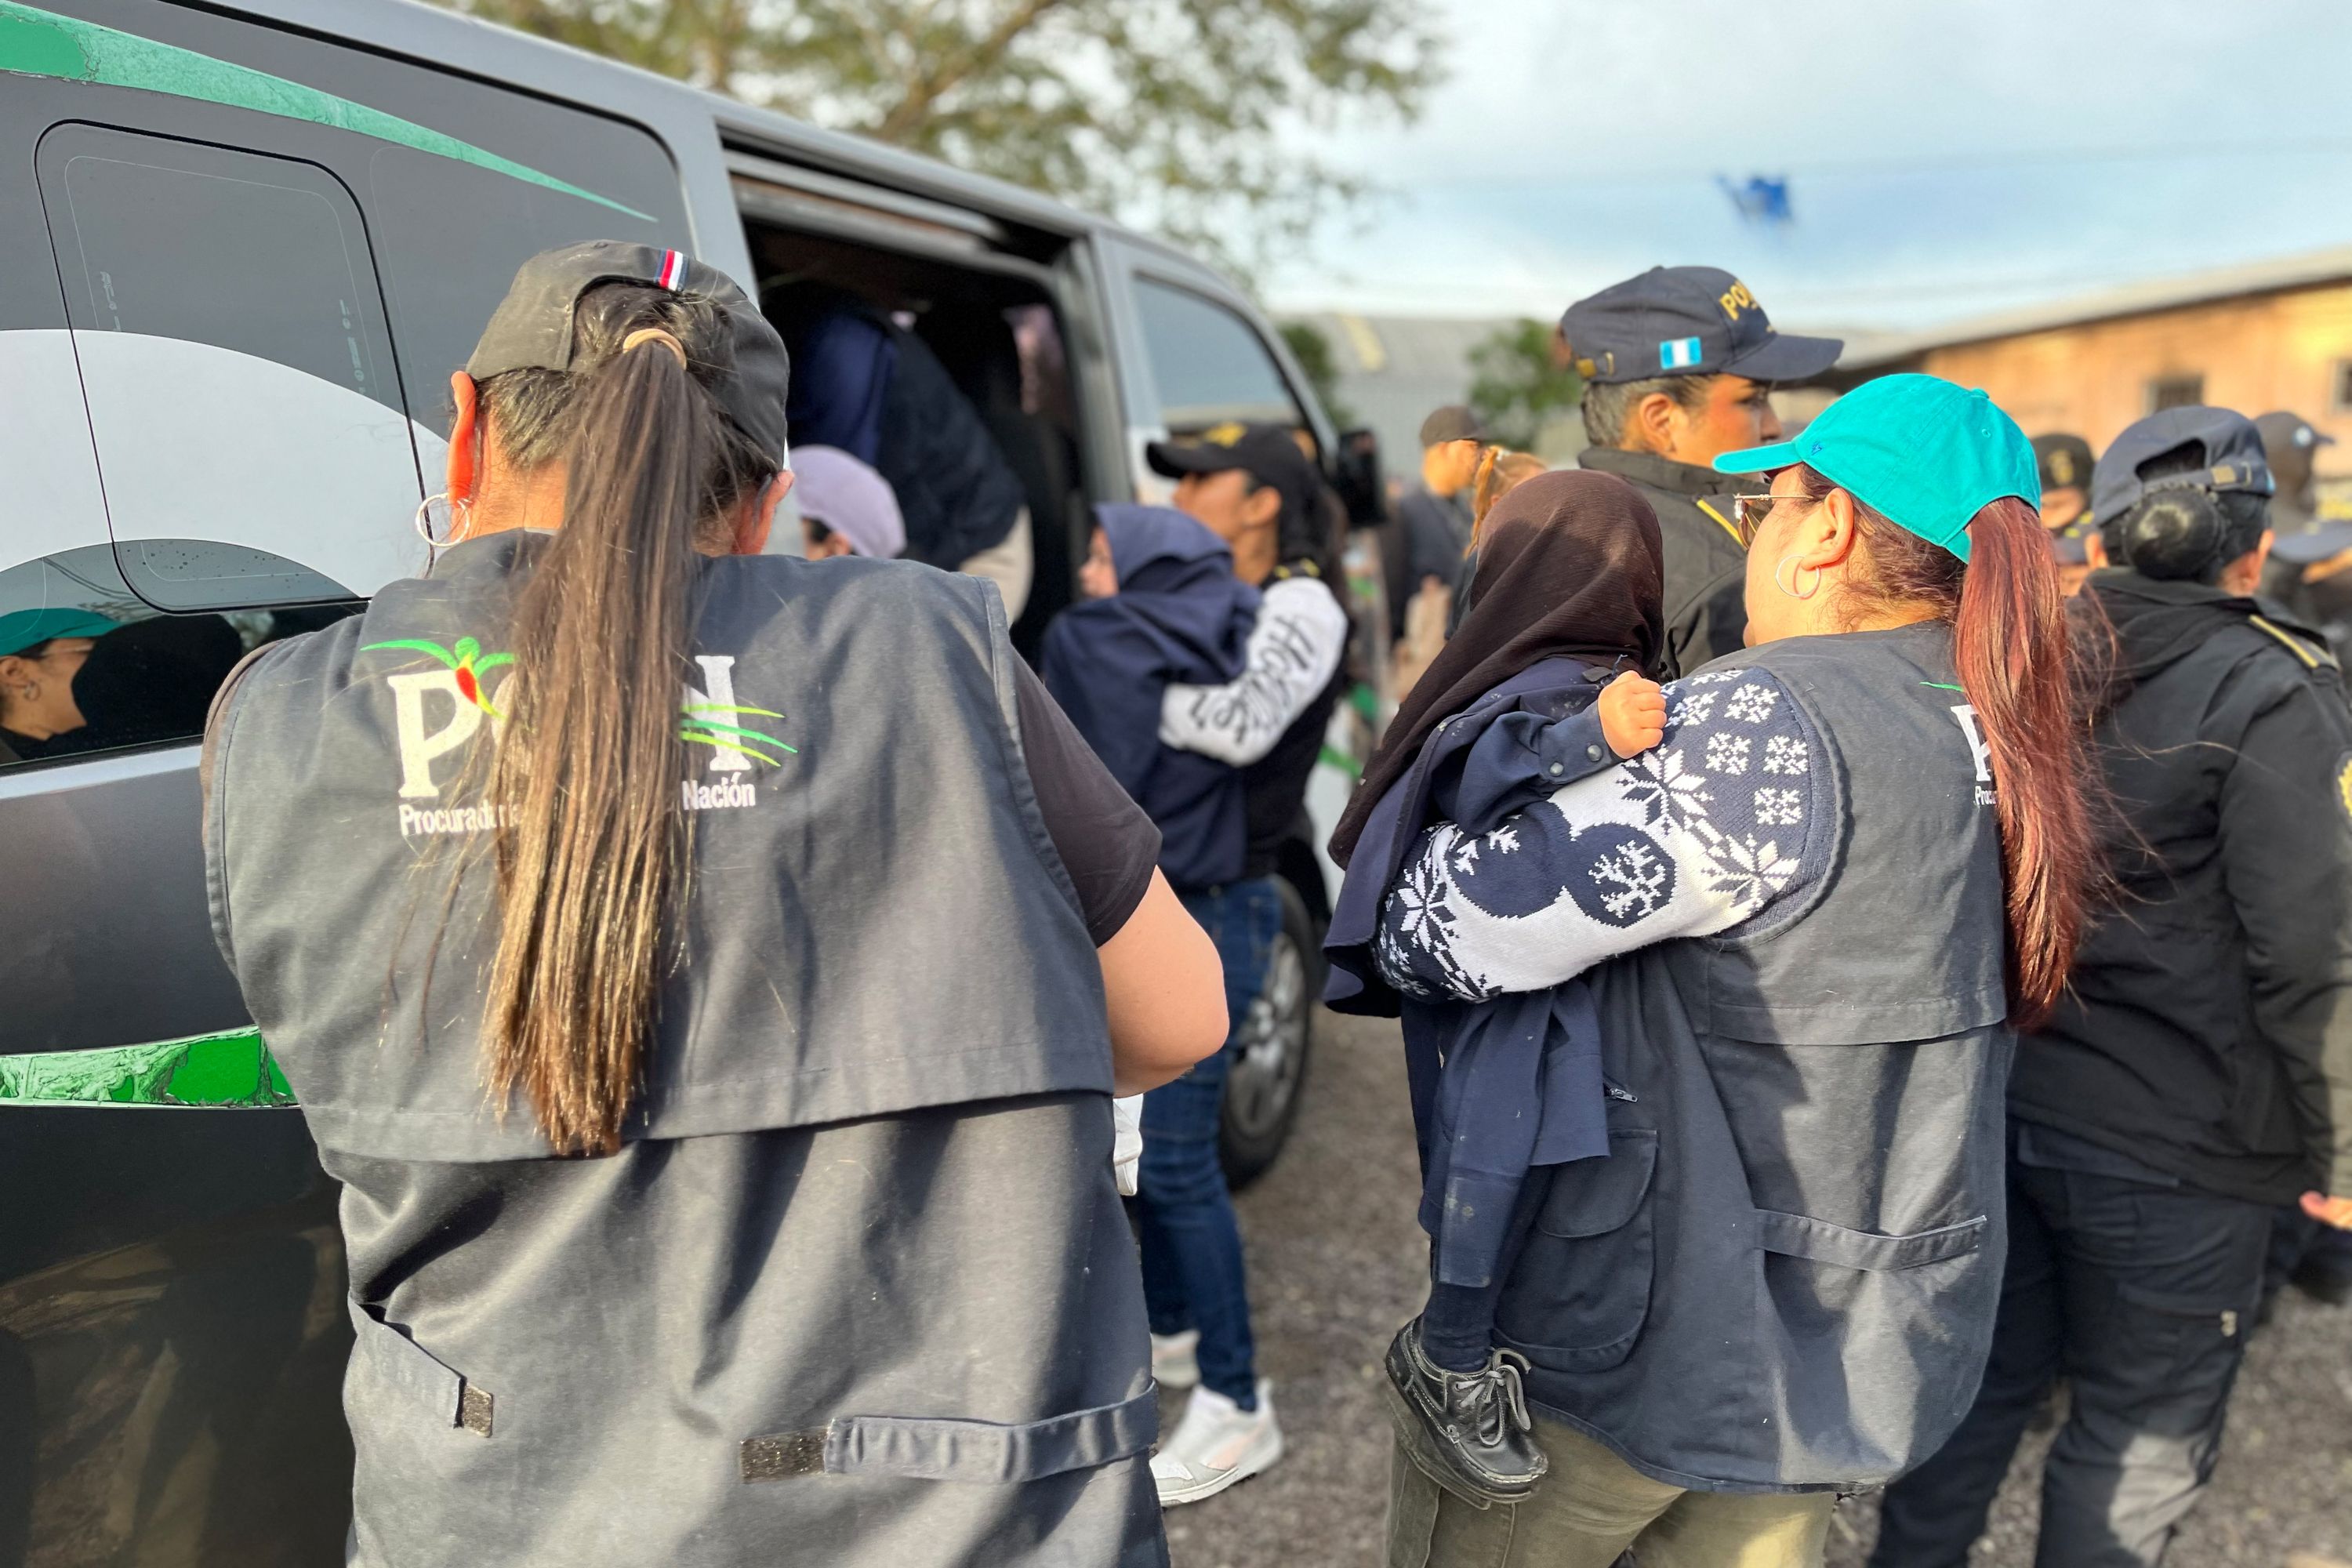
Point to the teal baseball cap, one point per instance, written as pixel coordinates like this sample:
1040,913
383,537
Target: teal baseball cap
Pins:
1920,451
21,629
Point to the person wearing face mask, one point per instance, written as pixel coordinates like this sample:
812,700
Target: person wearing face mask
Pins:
41,652
1679,365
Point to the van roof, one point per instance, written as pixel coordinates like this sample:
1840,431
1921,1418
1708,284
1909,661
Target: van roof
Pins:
680,114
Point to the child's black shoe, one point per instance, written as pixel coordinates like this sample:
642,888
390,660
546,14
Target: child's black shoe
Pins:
1469,1432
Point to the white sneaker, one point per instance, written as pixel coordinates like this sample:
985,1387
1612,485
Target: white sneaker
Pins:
1216,1444
1173,1359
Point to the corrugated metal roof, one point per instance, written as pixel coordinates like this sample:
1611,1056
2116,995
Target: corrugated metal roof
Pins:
2265,277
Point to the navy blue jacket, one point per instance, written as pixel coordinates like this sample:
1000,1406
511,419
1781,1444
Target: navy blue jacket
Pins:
1501,1086
1179,616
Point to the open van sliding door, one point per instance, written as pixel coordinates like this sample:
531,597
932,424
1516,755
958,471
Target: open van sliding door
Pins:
241,265
1013,310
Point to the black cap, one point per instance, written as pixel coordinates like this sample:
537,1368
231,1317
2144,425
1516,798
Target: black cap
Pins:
2229,459
532,328
2064,461
1686,321
1265,452
1451,423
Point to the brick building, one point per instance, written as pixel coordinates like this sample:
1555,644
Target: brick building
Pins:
2271,334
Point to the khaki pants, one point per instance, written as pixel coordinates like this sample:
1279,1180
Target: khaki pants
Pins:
1591,1507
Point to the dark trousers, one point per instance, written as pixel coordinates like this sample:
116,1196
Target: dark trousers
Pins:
1193,1275
2140,1293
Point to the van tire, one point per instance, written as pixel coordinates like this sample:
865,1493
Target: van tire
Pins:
1267,1080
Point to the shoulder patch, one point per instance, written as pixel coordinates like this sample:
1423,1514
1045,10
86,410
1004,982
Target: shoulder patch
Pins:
2344,783
2311,656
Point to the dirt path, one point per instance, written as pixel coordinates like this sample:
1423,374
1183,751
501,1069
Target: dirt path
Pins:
1336,1265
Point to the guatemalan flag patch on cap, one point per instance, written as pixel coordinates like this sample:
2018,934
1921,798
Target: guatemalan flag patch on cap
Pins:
1678,354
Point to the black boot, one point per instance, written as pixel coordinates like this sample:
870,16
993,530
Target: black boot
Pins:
1469,1431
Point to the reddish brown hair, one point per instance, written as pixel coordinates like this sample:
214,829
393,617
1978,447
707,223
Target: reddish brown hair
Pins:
1500,471
2010,639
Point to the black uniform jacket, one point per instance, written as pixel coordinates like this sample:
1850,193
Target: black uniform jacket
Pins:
1707,568
2208,1027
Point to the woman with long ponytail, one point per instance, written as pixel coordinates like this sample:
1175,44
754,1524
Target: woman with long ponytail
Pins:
1812,920
707,974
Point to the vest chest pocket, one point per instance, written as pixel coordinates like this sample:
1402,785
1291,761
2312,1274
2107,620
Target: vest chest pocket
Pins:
1580,1290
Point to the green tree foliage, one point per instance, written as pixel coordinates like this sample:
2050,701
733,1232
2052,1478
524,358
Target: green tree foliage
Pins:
1515,388
1184,116
1312,349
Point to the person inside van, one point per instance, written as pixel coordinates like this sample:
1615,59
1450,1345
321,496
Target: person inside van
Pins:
96,684
574,886
41,652
847,509
874,389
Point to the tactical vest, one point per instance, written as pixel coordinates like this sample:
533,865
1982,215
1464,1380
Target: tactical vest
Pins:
858,1288
1784,1276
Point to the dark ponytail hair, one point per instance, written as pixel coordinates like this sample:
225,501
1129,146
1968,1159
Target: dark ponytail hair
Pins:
591,841
2010,644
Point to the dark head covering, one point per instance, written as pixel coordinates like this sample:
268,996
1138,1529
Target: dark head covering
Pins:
1180,615
1569,562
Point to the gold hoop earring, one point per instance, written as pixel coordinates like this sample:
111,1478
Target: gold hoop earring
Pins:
1790,587
461,520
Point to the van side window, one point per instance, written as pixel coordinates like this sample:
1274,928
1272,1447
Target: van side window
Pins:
449,237
88,666
237,366
1207,363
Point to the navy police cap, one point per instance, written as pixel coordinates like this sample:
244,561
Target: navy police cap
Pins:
1686,321
2228,458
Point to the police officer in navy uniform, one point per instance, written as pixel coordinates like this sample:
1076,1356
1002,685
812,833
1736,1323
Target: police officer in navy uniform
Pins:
1679,365
2198,1074
707,974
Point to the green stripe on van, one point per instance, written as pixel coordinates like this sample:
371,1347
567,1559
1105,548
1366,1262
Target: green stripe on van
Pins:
42,43
231,1070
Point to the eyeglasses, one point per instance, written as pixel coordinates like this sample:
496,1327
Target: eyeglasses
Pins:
1748,512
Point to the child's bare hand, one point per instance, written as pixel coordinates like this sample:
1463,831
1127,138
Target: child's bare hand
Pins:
1633,714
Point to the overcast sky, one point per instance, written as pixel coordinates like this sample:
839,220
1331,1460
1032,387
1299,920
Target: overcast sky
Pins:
1943,157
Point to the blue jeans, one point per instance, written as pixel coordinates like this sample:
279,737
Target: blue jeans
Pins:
1192,1270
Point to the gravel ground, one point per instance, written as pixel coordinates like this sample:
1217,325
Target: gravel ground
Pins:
1335,1264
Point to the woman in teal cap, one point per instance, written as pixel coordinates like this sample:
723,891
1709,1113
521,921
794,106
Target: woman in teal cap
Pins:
1811,920
41,651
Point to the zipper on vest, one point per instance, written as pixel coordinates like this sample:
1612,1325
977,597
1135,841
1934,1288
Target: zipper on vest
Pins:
1616,1092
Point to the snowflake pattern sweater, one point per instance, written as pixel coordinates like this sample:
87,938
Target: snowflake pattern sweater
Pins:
1702,833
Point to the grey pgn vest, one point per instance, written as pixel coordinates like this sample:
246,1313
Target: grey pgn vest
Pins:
1784,1275
858,1289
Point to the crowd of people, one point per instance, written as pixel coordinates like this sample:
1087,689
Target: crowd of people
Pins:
1869,911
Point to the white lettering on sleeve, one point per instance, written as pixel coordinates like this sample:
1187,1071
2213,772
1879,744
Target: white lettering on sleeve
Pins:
1294,650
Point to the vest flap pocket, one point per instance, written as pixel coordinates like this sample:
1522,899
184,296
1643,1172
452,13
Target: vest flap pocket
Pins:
945,1449
1817,1241
398,1366
1592,1197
